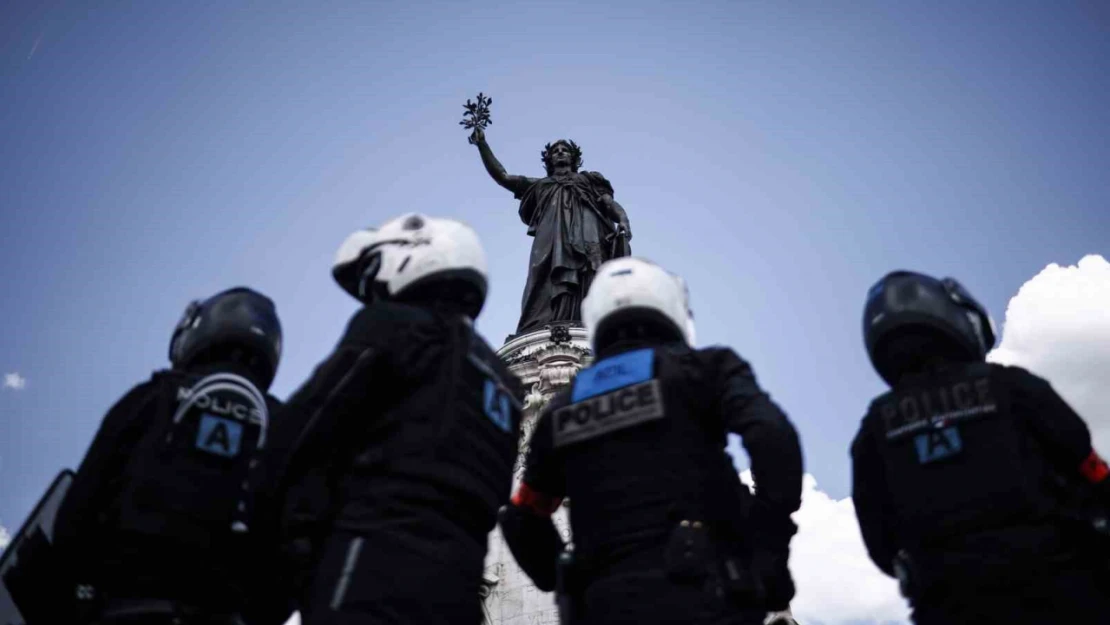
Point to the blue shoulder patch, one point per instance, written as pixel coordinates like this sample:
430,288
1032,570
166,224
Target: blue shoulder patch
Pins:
497,406
219,436
613,373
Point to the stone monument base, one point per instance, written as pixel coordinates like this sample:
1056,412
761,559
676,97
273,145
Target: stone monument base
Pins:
545,361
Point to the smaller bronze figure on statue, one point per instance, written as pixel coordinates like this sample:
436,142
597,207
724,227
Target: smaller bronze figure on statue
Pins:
572,216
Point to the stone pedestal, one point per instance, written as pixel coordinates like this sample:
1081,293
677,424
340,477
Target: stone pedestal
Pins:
545,361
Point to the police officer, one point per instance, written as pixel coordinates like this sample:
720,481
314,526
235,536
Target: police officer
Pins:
963,472
412,433
157,526
663,530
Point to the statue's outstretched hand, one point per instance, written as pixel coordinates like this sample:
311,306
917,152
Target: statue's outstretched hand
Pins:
476,137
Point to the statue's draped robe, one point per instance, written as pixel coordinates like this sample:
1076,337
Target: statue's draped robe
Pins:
566,217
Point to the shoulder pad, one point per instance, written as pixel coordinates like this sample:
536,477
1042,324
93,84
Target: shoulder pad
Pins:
876,400
154,384
725,361
1010,369
486,360
381,322
719,354
1019,377
689,360
167,375
482,346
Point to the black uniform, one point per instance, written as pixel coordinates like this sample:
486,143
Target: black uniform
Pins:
412,433
663,529
968,472
159,519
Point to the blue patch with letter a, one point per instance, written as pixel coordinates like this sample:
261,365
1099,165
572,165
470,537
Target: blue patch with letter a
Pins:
613,373
219,436
497,406
937,445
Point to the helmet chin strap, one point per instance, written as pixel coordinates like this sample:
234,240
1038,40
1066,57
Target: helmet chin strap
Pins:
366,279
977,324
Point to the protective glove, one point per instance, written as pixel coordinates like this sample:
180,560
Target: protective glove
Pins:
534,543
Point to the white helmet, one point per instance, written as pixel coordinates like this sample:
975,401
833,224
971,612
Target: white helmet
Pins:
626,285
408,251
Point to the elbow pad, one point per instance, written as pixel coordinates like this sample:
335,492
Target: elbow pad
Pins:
534,543
540,503
1096,472
1094,468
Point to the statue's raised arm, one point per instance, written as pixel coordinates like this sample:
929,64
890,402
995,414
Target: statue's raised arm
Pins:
575,223
517,185
477,118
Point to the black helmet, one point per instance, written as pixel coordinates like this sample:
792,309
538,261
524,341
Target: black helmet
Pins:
910,318
238,318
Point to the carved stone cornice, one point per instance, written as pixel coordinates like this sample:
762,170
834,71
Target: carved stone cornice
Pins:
545,361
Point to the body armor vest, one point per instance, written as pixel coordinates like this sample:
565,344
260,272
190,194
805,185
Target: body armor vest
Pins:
190,477
643,449
956,459
449,432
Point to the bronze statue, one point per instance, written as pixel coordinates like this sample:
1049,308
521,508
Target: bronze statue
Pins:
575,223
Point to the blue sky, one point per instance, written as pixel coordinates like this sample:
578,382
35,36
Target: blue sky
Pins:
781,156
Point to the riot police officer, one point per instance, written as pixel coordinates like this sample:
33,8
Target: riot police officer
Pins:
412,433
157,526
663,530
964,472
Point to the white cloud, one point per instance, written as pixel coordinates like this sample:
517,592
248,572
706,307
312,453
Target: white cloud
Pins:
14,381
5,537
835,579
1058,327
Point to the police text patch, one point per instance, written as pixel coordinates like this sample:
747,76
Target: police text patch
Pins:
613,373
601,414
219,436
908,412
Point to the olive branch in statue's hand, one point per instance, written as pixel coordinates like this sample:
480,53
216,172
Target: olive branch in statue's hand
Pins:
477,117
